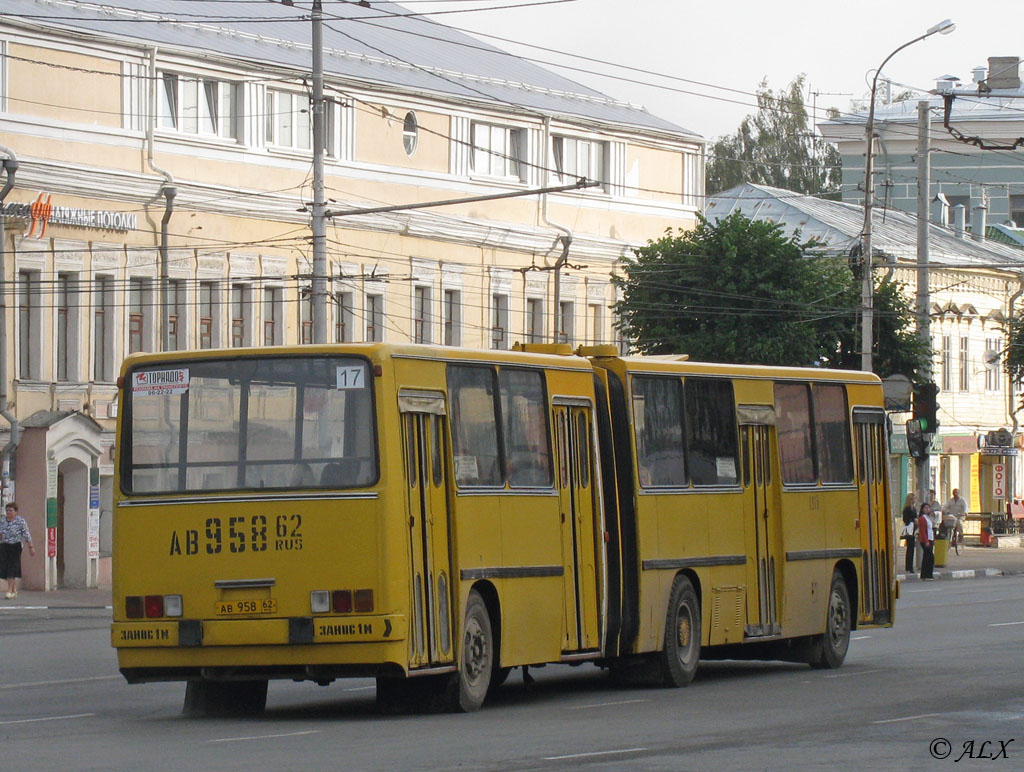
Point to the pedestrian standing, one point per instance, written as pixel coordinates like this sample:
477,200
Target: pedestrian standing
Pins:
926,538
910,529
13,531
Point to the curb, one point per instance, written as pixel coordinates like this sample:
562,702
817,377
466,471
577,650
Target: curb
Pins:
964,573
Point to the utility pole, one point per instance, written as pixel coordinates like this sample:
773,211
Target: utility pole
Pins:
319,225
923,296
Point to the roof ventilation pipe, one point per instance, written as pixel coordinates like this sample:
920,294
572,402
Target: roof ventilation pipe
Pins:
978,221
978,74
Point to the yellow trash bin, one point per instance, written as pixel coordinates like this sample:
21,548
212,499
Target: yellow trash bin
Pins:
941,551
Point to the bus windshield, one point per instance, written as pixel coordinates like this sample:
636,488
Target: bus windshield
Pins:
289,422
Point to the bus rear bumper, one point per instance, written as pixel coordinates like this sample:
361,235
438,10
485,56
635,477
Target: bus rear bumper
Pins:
194,633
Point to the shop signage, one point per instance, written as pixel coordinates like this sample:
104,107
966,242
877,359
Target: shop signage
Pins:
959,444
999,481
42,213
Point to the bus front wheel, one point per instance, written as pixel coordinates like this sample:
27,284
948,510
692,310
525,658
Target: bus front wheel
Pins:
468,687
681,652
830,647
225,698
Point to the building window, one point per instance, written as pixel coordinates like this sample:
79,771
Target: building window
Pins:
343,317
993,357
452,318
534,320
499,321
177,305
240,313
272,317
421,315
290,124
499,151
374,317
566,319
1017,210
29,321
103,329
947,363
306,315
576,158
208,312
595,320
137,315
198,106
965,364
63,330
410,133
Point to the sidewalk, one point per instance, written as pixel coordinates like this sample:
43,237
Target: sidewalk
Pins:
973,563
93,597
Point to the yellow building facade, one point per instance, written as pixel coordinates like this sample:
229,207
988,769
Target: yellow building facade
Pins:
159,175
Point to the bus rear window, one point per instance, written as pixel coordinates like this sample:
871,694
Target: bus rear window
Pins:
256,423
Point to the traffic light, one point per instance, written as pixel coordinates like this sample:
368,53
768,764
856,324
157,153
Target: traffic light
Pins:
926,408
917,444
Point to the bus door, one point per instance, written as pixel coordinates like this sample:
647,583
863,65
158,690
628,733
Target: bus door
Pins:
577,507
761,507
423,440
874,519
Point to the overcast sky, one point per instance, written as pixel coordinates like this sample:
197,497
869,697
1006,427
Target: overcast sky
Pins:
734,44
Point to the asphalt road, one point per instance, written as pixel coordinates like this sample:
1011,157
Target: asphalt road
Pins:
946,676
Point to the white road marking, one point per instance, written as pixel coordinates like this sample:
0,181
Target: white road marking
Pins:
860,637
595,753
29,684
359,688
263,736
606,704
48,718
859,672
905,718
1005,624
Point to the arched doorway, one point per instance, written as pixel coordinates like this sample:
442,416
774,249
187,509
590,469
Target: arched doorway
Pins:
72,524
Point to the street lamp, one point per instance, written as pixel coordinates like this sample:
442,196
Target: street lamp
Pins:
867,286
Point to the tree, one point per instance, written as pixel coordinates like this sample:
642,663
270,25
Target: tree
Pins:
776,147
740,290
1013,356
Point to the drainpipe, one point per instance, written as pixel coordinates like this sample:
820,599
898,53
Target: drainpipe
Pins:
10,166
169,191
1011,482
565,239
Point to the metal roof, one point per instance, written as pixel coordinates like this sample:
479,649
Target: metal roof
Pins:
838,226
382,46
1002,105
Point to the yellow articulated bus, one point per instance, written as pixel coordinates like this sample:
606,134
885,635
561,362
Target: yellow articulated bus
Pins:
434,517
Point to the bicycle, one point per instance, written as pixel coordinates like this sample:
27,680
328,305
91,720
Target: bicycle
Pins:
955,532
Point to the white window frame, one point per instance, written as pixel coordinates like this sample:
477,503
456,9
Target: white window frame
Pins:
498,151
374,313
535,332
566,321
213,305
344,312
573,158
289,122
30,323
242,291
452,312
198,106
422,318
499,321
272,313
102,292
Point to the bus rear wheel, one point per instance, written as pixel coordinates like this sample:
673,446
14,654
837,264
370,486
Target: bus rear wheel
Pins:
679,657
467,688
225,698
830,647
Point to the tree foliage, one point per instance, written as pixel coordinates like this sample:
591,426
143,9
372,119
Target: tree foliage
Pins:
742,291
1013,356
776,146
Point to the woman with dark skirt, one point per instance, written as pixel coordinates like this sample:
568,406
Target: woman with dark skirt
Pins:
13,531
910,529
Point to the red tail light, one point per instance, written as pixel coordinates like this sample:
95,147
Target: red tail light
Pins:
341,601
154,606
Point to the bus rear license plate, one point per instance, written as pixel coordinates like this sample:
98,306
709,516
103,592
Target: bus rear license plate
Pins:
230,608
